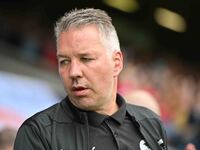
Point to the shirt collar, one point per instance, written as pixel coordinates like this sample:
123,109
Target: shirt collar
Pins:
119,116
96,119
79,115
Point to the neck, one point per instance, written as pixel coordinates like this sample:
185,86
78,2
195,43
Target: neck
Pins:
110,108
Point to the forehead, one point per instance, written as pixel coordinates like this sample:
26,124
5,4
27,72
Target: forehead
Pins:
77,35
89,31
80,38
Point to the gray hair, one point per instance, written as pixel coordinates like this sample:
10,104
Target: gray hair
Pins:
81,17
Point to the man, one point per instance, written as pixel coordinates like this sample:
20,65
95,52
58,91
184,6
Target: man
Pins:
93,116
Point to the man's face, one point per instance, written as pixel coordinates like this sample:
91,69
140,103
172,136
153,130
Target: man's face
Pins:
88,70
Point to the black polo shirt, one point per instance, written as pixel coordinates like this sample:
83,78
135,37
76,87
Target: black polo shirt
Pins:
116,132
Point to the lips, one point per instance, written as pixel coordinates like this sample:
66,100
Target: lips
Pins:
79,90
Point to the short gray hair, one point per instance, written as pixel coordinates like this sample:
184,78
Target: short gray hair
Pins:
88,16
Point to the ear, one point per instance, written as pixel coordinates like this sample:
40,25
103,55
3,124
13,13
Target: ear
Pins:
118,62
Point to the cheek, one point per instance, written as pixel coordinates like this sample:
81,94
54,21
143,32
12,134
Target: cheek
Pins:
103,75
105,66
63,74
65,80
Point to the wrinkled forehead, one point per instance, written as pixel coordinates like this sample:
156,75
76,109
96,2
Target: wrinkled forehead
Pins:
87,37
75,27
84,31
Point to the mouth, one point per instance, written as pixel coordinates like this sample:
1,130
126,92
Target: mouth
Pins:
79,90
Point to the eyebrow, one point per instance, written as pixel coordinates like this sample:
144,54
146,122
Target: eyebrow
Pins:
61,56
80,55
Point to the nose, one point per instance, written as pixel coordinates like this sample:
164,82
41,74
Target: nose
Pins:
75,70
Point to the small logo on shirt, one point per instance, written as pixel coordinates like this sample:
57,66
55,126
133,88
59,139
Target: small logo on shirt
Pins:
162,145
143,145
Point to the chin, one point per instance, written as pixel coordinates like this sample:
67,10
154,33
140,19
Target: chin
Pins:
87,107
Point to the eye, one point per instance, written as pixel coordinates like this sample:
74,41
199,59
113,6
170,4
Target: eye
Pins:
63,62
86,59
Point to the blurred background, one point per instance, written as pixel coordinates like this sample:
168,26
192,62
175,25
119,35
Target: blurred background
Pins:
159,39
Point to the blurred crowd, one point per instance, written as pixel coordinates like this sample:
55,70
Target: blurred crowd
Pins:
30,39
174,85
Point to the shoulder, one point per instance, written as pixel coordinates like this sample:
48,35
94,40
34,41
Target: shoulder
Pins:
150,122
147,119
56,113
140,113
37,131
44,117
